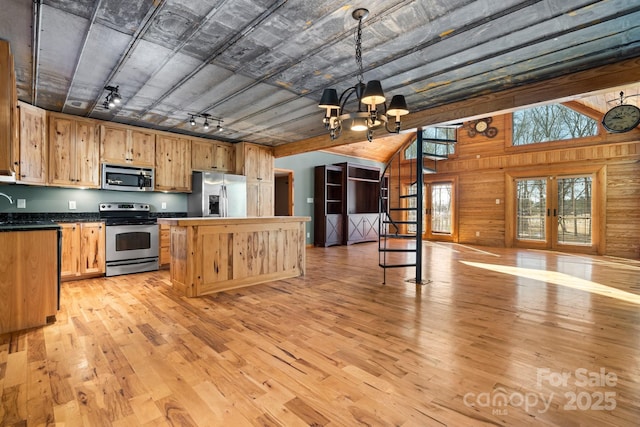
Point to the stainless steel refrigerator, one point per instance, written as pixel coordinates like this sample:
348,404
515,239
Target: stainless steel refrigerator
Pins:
216,194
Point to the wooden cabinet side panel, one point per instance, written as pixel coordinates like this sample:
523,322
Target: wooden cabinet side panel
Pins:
37,296
8,279
33,145
181,272
6,108
29,281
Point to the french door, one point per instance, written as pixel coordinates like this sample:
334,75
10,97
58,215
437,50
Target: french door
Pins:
438,217
554,212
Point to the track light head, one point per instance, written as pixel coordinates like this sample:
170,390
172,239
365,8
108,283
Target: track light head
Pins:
113,98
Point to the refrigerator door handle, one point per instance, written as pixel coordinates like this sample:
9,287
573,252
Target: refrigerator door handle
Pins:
224,202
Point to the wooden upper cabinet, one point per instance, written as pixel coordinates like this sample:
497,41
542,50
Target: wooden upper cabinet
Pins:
258,162
73,152
125,146
8,115
32,164
212,156
173,164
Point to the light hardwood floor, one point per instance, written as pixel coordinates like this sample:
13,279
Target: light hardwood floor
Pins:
338,348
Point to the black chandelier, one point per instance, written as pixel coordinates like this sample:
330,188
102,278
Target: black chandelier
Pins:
113,97
369,95
205,124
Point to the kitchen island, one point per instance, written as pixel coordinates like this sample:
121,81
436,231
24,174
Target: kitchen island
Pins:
210,255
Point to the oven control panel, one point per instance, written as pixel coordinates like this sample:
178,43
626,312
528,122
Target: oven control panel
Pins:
124,207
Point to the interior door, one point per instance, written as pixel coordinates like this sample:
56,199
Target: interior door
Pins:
555,212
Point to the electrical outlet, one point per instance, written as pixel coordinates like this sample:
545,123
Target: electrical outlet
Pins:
21,204
309,199
477,234
497,201
308,235
72,204
164,205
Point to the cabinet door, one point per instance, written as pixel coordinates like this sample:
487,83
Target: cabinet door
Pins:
70,256
265,203
86,158
61,142
33,145
258,162
253,198
224,158
202,156
92,260
173,164
143,148
265,164
113,145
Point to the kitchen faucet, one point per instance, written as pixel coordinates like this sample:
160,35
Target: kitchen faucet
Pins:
8,197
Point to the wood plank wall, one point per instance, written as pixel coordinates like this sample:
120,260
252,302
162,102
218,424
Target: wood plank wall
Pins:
481,166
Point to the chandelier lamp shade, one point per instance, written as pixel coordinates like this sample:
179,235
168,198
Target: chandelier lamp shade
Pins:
372,111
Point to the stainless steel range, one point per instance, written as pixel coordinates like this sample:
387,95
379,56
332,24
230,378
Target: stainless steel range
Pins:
131,238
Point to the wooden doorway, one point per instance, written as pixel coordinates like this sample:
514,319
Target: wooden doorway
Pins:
556,210
283,192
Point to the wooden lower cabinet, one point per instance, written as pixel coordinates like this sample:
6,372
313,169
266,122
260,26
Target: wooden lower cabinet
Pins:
83,250
260,198
28,279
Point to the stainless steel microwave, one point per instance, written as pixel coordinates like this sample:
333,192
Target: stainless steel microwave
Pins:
126,178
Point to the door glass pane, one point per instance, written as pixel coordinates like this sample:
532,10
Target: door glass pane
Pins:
574,210
441,207
412,203
531,197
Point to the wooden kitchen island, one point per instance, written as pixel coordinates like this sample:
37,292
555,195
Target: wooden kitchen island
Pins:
210,255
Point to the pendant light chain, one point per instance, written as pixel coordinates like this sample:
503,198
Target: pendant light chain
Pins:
359,51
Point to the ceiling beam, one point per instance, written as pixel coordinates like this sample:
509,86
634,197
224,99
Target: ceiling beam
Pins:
559,89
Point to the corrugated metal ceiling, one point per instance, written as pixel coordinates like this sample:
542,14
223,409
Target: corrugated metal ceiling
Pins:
261,65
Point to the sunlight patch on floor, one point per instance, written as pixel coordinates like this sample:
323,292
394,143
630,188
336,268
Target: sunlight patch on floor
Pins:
560,279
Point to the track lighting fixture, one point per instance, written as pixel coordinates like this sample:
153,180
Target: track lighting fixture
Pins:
369,96
113,98
205,125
